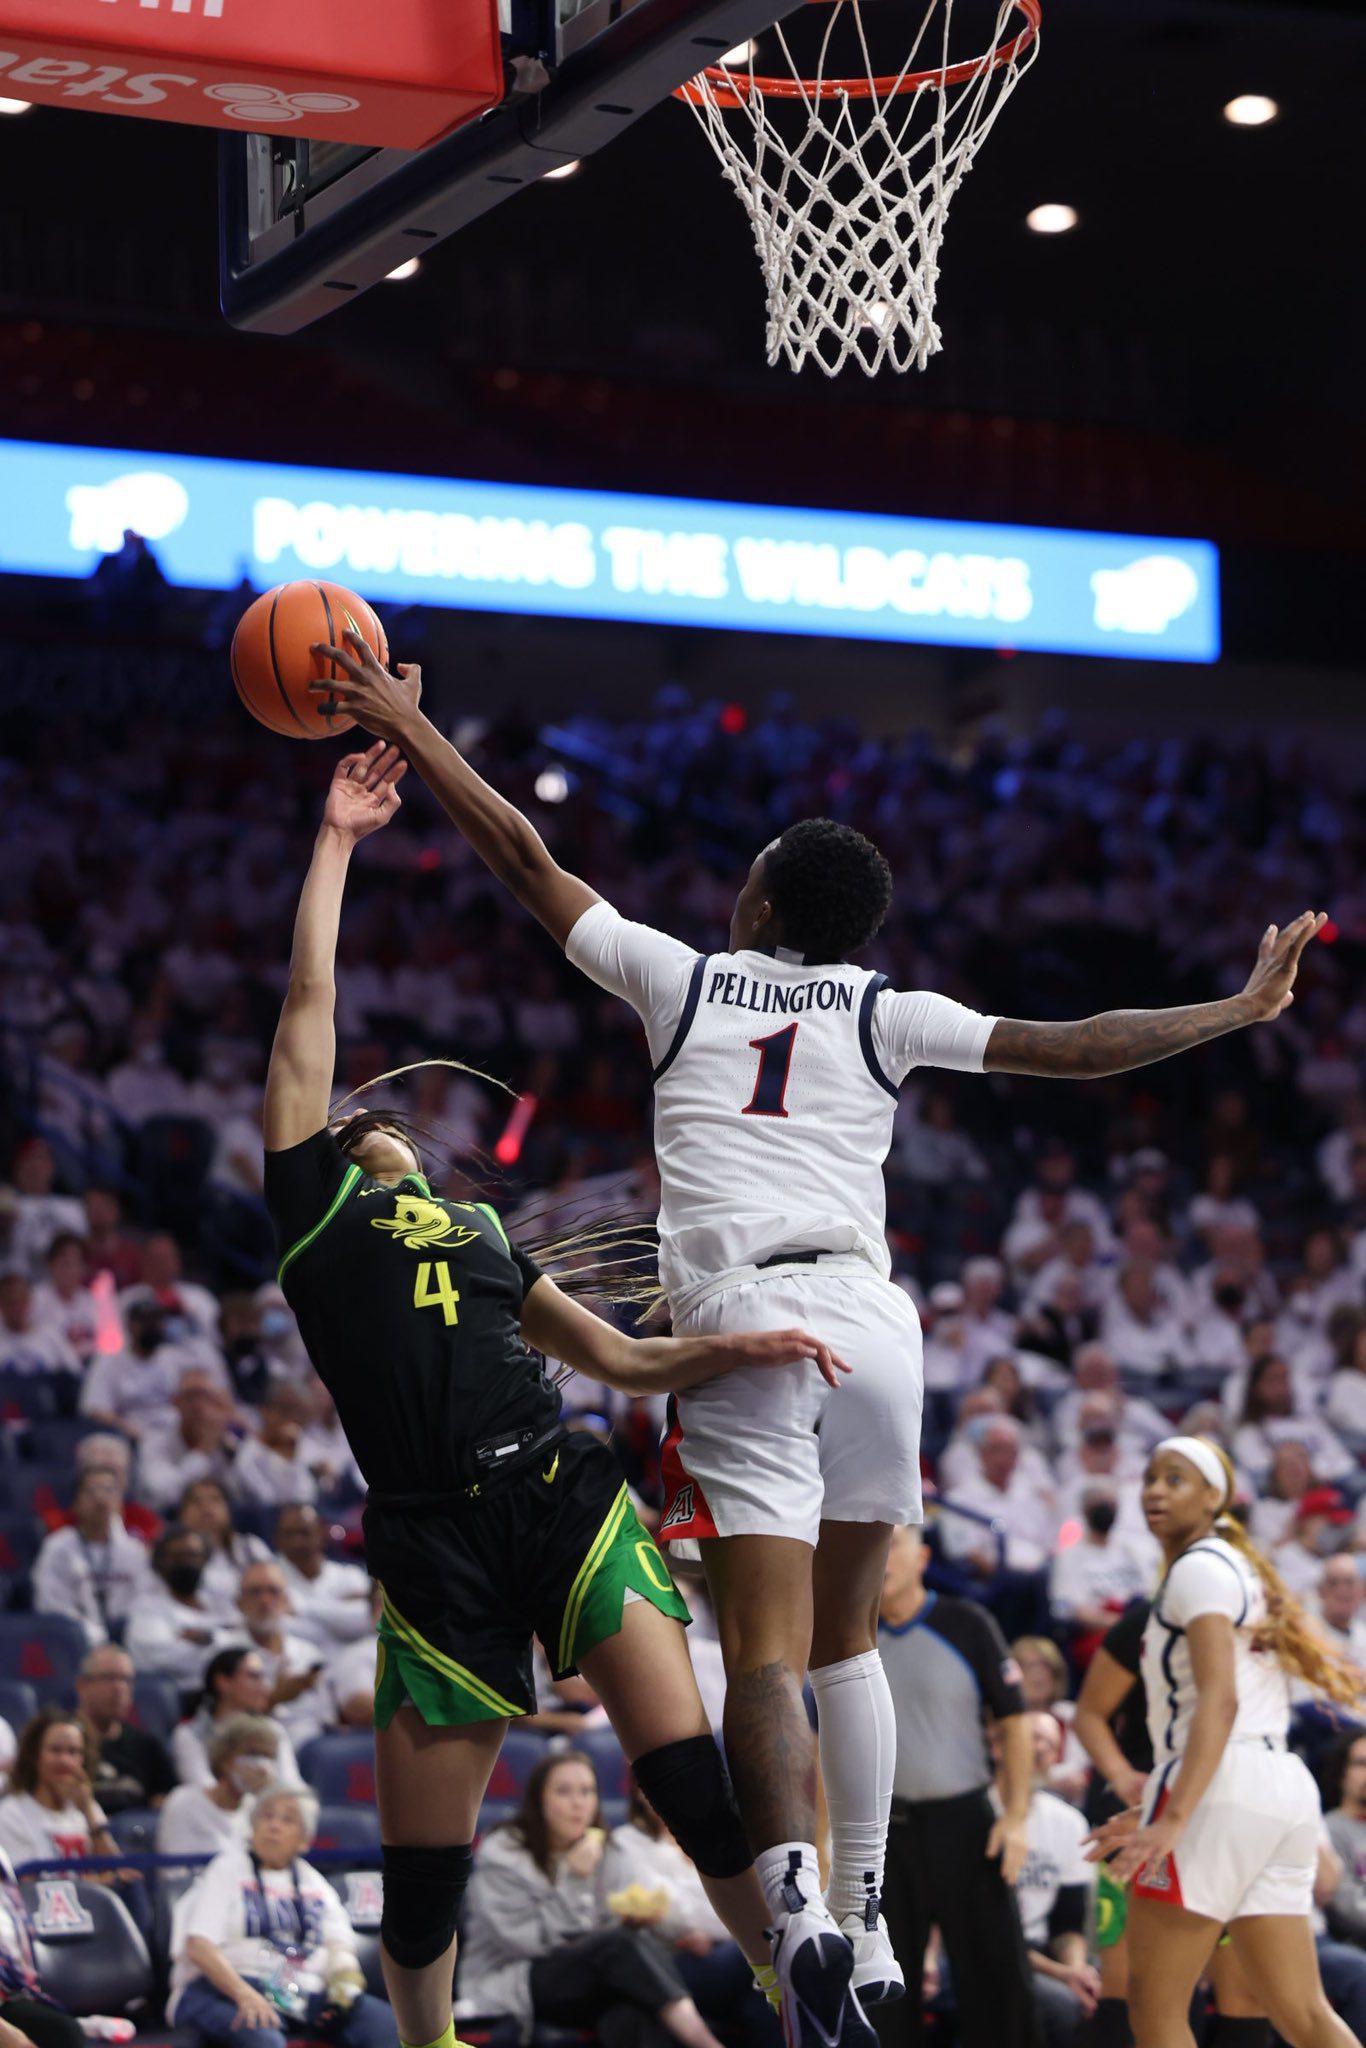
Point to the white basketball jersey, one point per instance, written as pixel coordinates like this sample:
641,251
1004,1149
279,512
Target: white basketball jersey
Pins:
775,1089
1210,1578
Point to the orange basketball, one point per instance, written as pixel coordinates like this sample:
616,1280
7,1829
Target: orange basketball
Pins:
273,662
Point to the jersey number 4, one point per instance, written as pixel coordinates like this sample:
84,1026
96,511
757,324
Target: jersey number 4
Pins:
770,1085
436,1294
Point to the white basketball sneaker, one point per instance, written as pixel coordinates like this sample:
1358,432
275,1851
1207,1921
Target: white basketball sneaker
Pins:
878,1977
814,1961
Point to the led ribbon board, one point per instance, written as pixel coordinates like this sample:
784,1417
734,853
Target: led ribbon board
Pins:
605,555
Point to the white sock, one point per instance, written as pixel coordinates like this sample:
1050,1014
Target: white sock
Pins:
858,1757
790,1874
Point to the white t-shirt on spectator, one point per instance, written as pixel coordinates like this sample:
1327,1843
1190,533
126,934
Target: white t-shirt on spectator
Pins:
40,1348
332,1609
1088,1574
1027,1517
190,1824
38,1220
225,1907
1345,1407
1255,1445
78,1318
264,1478
349,1671
197,1304
140,1390
166,1464
1055,1833
160,1636
92,1583
31,1832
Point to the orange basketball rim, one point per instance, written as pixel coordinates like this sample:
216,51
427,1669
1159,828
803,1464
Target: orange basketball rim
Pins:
733,88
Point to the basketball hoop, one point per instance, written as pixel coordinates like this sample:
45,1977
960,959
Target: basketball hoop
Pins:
847,182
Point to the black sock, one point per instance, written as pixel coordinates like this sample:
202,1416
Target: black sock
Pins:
1241,2033
1108,2026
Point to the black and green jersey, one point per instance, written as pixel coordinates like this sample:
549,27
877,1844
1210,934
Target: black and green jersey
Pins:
409,1307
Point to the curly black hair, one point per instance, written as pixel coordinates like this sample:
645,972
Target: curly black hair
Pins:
829,885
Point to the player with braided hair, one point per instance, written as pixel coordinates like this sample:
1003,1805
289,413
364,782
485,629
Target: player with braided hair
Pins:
777,1064
1228,1832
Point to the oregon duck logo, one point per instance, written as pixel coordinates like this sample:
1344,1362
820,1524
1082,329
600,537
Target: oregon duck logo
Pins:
419,1223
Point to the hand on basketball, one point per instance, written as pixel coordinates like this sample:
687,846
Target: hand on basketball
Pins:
787,1347
1272,980
375,699
364,792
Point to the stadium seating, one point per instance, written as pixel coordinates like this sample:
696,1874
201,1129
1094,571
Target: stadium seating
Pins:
522,1750
348,1827
600,1745
44,1649
37,1488
341,1768
90,1955
156,1705
135,1828
18,1702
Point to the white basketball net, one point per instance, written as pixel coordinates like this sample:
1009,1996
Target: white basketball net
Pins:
848,197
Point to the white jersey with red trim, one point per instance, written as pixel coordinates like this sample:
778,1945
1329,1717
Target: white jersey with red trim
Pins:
1210,1578
775,1088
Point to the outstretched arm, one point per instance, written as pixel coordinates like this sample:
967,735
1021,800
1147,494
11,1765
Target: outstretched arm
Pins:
363,797
508,844
565,1329
1117,1040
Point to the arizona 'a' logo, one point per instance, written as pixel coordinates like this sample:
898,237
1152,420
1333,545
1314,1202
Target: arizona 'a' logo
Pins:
681,1509
419,1223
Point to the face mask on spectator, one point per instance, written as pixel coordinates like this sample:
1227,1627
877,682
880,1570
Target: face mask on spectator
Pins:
275,1322
1100,1517
1229,1297
249,1773
175,1329
183,1579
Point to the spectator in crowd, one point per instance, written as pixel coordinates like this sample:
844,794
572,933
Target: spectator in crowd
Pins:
93,1570
109,1248
1138,1424
144,1085
198,1441
1220,1205
132,1769
65,1301
1142,1332
9,1748
1058,1323
259,1918
41,1213
324,1449
329,1601
28,2017
1290,1478
643,1858
235,1683
952,1861
346,1690
1054,1891
1321,1527
1342,1964
1094,1578
243,1758
171,1629
1099,1455
932,1151
190,1311
1341,1597
1043,1212
50,1810
205,1507
271,1470
1345,1408
135,1388
1270,1417
1045,1682
539,1943
292,1665
27,1344
1007,1497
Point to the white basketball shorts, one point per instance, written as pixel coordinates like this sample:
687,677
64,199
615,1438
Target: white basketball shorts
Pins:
773,1450
1252,1843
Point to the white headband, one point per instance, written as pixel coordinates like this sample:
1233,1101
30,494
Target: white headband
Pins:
1203,1456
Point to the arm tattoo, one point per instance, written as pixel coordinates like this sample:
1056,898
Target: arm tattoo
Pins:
1110,1043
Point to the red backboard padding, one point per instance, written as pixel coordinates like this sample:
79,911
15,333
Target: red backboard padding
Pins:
396,74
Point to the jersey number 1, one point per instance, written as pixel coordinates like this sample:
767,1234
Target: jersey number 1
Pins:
442,1295
770,1086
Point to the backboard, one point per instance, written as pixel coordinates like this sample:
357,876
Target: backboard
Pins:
306,226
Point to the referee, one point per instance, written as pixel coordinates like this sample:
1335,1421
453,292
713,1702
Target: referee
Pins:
951,1862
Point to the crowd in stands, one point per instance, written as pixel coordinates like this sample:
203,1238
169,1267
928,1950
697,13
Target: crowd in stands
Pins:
1185,1244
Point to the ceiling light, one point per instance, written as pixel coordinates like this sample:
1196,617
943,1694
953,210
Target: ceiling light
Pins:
408,269
552,785
741,54
15,106
564,170
1052,220
1251,110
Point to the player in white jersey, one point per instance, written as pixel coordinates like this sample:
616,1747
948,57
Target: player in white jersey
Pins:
777,1066
1227,1836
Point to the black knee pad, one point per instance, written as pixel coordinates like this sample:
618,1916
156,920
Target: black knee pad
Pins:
689,1788
422,1893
